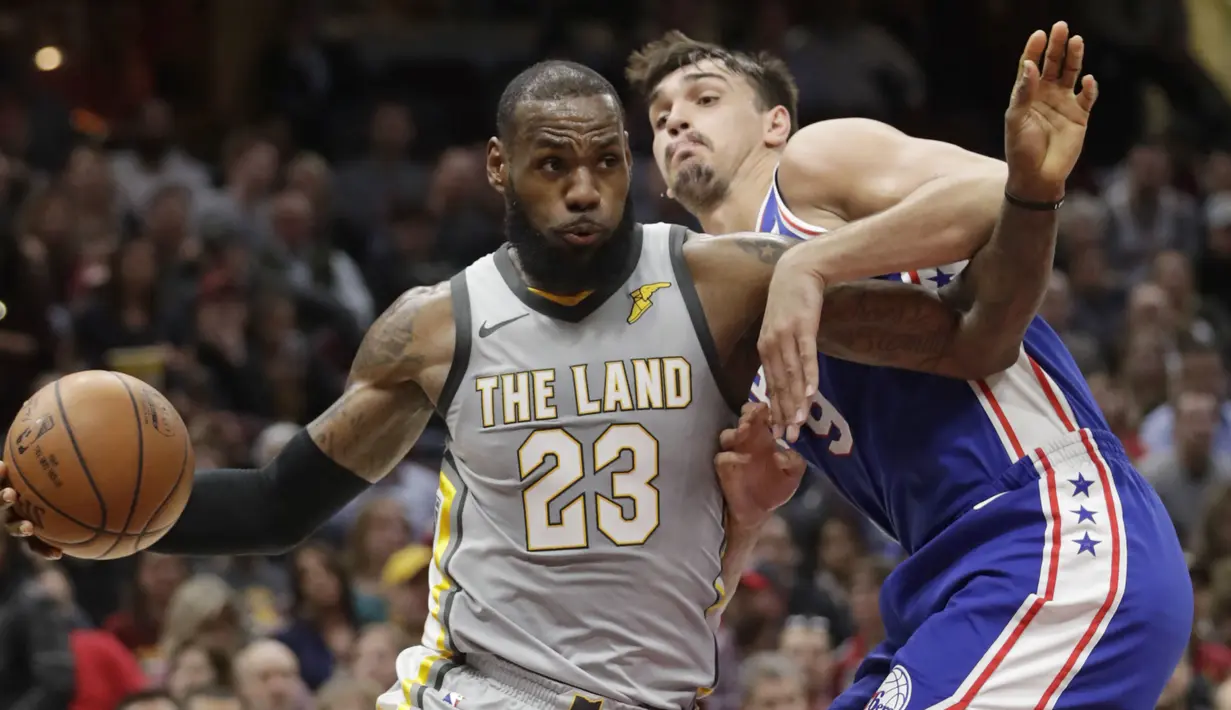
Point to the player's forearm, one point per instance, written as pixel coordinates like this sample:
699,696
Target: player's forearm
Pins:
1004,284
735,560
262,511
943,221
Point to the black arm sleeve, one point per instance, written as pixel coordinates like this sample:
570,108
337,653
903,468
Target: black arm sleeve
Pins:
262,511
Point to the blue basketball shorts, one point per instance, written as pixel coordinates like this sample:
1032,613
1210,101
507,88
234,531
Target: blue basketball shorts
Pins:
1068,589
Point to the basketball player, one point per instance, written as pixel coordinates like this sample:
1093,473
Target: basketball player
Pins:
1043,570
585,371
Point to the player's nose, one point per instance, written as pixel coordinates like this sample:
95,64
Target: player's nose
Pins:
582,194
677,123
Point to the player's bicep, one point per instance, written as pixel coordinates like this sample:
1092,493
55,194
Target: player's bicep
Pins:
858,167
891,324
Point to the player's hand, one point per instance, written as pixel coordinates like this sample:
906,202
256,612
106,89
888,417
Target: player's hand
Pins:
1045,124
756,476
788,343
17,527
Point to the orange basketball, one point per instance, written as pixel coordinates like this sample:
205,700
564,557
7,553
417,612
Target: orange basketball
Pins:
102,464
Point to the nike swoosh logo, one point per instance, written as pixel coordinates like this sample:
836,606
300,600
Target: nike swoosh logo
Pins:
485,330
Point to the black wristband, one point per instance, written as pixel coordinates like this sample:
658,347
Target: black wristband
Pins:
1033,206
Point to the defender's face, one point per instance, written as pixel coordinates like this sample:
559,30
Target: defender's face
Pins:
567,169
706,121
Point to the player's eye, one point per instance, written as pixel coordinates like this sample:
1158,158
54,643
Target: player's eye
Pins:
707,100
610,160
551,165
660,122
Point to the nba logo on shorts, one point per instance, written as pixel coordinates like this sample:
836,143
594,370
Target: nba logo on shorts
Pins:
894,693
452,699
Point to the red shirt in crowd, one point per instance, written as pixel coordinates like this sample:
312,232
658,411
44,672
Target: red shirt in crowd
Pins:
105,670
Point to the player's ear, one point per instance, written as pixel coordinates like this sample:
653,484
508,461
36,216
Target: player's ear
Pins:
497,166
777,127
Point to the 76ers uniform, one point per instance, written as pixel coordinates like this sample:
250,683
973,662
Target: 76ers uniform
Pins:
1043,571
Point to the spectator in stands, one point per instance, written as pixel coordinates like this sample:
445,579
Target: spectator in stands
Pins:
1119,408
213,699
1098,298
380,530
126,318
90,186
36,661
806,641
192,667
204,611
47,218
27,344
404,254
404,582
267,677
1185,474
1201,369
347,693
250,167
375,656
1214,266
141,621
177,250
771,681
366,188
148,700
322,627
1143,372
155,160
313,261
1147,213
1173,272
868,576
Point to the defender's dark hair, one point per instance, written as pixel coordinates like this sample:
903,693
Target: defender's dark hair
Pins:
549,81
767,74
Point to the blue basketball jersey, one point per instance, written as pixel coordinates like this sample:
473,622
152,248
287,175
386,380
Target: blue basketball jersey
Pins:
913,451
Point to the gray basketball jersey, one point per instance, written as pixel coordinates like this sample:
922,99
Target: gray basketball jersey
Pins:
579,527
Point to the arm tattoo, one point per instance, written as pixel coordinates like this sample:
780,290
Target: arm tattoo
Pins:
383,411
765,248
888,324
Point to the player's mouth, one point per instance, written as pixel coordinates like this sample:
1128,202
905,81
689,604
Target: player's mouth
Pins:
581,234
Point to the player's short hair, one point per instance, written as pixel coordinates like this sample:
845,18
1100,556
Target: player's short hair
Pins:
768,75
763,666
550,80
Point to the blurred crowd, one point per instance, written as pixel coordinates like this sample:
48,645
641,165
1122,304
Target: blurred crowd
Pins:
239,280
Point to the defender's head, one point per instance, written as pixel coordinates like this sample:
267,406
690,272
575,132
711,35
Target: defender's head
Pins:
561,160
711,108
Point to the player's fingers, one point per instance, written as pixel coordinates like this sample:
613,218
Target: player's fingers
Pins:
1072,62
1057,43
8,498
790,463
729,462
810,376
1024,89
727,438
1034,48
19,528
771,363
1089,93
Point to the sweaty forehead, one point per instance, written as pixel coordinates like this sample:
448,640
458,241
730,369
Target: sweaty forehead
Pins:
578,121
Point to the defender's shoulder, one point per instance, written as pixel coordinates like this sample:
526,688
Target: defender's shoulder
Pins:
827,147
415,332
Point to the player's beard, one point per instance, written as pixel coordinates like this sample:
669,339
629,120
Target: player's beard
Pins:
698,188
563,269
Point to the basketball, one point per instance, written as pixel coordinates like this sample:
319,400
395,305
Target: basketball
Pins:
102,464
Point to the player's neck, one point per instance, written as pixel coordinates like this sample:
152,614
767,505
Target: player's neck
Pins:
738,212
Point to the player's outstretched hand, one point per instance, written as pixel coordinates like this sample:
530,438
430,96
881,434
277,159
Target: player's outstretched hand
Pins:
16,526
1045,124
755,474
